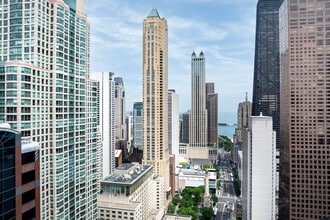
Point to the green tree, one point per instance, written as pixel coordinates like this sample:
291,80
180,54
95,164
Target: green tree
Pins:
224,141
216,167
235,173
188,211
176,199
171,209
207,214
218,184
214,199
207,166
237,188
189,202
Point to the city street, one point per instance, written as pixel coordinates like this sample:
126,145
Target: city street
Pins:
227,198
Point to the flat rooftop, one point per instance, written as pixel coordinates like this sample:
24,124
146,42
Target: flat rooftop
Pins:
127,173
29,146
117,153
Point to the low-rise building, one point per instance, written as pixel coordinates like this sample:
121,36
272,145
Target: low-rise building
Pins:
131,192
195,177
113,208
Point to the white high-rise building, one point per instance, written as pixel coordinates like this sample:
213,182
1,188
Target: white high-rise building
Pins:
259,169
106,121
47,95
173,124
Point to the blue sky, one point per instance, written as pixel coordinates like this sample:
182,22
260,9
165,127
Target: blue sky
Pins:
223,29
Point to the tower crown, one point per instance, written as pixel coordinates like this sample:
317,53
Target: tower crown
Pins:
201,54
154,13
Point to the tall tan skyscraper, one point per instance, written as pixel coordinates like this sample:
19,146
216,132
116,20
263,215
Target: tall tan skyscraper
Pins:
305,110
155,134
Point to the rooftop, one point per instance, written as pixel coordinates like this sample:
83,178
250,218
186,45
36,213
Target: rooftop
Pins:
127,173
29,146
119,81
117,153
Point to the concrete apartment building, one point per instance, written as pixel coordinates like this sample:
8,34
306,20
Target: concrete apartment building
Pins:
259,169
48,96
173,124
106,96
155,107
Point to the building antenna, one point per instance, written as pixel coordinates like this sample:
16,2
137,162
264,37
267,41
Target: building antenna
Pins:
246,96
155,4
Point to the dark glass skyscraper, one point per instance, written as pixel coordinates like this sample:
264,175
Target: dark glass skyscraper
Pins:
266,84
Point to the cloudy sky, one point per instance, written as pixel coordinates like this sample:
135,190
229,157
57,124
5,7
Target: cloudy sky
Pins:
223,29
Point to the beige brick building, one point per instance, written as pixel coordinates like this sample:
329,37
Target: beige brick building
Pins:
155,128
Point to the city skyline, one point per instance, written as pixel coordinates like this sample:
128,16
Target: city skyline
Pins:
223,30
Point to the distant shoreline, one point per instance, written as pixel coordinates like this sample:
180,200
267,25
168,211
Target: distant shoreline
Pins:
225,124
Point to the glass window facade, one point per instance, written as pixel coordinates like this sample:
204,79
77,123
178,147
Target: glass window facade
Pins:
266,83
9,141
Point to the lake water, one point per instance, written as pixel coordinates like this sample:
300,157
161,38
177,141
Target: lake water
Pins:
227,130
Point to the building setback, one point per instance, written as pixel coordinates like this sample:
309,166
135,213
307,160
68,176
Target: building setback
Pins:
155,122
47,95
305,110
